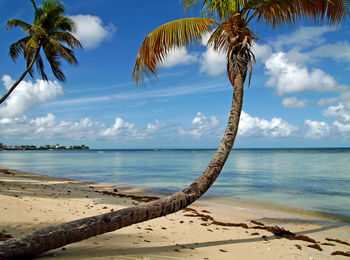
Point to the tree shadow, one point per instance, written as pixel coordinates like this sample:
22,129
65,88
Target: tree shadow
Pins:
180,249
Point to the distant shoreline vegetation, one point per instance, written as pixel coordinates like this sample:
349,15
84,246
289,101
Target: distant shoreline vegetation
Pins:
45,147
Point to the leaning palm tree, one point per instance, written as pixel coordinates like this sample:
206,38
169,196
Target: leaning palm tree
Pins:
232,34
49,30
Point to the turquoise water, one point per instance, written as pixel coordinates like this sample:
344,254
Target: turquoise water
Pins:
312,179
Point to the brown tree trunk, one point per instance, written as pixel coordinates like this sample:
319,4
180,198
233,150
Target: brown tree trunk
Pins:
57,236
21,78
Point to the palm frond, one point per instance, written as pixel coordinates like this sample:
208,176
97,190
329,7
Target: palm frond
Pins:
29,49
18,47
223,9
158,43
65,23
55,64
289,12
68,39
40,67
17,23
29,61
33,3
55,47
48,12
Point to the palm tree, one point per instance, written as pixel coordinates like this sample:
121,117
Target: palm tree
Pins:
234,37
49,29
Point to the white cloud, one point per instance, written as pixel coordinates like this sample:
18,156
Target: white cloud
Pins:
255,126
327,101
201,125
341,114
342,127
178,56
213,63
49,127
338,51
293,102
152,128
287,77
303,37
316,130
262,52
27,95
124,130
91,31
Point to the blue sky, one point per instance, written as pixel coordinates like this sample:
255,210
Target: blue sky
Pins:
299,94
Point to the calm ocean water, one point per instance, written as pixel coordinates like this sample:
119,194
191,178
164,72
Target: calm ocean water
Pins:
312,179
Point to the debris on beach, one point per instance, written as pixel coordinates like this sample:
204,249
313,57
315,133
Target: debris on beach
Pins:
298,246
315,246
338,241
5,236
341,253
132,197
5,171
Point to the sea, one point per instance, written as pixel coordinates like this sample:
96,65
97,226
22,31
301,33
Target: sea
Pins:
316,180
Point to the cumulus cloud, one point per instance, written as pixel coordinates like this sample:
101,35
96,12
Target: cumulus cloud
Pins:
255,126
124,130
338,112
152,128
338,51
91,31
201,125
262,52
316,130
178,56
287,77
327,101
27,95
293,102
303,37
49,127
212,62
341,115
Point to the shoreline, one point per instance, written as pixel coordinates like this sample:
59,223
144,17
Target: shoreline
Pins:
32,201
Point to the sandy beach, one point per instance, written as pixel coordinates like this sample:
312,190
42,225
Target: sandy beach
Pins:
208,229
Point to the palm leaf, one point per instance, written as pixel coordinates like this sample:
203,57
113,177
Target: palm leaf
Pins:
55,64
61,50
288,12
224,9
40,67
65,23
68,39
18,47
157,44
48,12
17,23
33,3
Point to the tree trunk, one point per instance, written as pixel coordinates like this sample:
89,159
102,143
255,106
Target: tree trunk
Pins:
57,236
21,78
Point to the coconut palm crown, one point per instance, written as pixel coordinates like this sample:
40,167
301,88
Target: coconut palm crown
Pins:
50,33
230,30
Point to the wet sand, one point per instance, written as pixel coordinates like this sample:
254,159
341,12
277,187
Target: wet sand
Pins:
208,229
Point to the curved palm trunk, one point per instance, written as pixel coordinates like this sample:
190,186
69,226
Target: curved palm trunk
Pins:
21,78
57,236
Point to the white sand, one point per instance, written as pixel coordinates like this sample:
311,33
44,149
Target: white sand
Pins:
29,202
